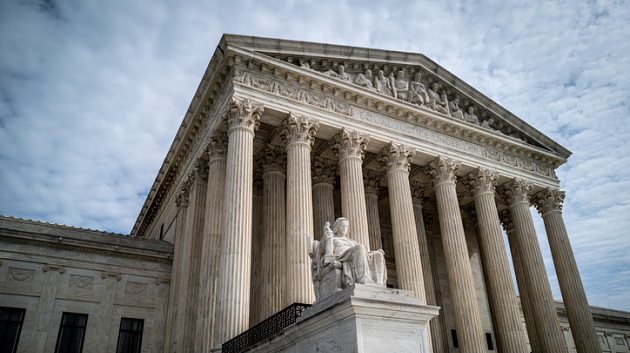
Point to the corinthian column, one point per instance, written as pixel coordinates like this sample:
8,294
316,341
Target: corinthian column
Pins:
297,133
507,322
174,333
543,308
217,149
349,148
396,159
255,301
324,171
549,204
460,278
424,244
236,243
371,183
273,245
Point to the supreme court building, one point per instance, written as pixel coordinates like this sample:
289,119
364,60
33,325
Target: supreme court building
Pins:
282,136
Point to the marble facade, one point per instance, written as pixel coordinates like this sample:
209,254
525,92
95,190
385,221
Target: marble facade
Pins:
283,136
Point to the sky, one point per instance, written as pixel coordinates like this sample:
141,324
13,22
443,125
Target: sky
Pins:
93,92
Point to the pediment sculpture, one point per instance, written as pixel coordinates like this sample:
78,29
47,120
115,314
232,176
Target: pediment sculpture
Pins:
339,261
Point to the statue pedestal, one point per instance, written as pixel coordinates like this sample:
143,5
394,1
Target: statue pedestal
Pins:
361,319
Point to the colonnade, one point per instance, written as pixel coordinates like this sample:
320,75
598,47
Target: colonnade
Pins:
298,192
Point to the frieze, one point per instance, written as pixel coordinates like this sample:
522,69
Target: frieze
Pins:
85,282
21,274
455,143
135,287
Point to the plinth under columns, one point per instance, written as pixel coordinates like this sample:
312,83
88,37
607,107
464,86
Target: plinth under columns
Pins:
349,147
298,132
549,204
543,308
372,183
324,172
217,150
232,316
273,245
460,278
438,340
507,322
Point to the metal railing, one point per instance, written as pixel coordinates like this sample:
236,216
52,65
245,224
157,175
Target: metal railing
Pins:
265,330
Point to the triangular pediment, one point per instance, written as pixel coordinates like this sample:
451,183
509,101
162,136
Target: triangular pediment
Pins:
405,77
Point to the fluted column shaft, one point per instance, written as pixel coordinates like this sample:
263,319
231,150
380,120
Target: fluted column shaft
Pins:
349,148
549,204
508,329
396,159
211,236
460,278
530,322
298,136
372,182
236,242
437,337
187,317
324,171
273,245
173,328
543,308
255,300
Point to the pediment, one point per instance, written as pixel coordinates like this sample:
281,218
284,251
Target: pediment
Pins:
407,78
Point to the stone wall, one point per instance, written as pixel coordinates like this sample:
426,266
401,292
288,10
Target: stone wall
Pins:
50,269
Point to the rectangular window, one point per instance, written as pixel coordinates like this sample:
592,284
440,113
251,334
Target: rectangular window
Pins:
11,320
489,341
454,337
130,336
71,333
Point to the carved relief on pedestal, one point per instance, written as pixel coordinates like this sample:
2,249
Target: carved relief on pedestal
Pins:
443,169
299,129
324,170
396,157
20,274
548,199
84,282
349,144
135,288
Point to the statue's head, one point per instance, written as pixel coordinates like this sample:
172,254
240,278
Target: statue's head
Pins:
340,228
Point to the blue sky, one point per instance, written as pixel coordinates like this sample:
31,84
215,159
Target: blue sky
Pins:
92,94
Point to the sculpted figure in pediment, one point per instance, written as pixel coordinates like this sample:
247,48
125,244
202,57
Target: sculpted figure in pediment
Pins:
342,74
364,79
304,64
382,84
471,117
417,92
401,86
488,123
438,102
453,107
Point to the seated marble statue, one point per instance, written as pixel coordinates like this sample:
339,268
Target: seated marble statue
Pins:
340,75
358,265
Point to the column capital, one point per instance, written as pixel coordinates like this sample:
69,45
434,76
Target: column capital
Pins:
506,220
443,169
199,172
349,144
324,171
417,191
372,180
218,145
396,157
548,200
272,159
299,129
257,182
182,199
244,114
516,190
480,181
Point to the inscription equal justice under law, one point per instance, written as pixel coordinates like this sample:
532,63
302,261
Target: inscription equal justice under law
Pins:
418,132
